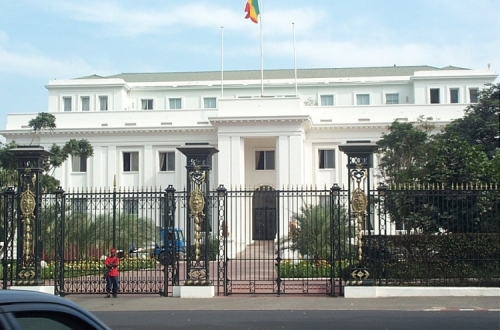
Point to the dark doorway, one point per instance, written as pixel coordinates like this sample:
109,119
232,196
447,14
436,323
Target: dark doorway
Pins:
264,214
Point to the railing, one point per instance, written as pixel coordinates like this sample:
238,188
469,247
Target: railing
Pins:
274,241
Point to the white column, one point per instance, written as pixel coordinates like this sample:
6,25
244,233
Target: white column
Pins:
231,167
150,165
290,164
297,159
110,167
282,162
237,161
94,169
224,161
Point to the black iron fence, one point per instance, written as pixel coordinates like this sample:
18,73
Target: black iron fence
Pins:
436,237
264,240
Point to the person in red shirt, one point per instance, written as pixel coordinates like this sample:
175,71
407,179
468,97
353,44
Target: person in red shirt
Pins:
112,262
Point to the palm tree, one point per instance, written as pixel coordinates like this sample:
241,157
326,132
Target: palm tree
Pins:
41,121
312,232
87,235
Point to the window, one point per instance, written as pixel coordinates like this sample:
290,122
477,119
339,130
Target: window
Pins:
67,103
130,161
391,98
326,159
209,102
130,206
175,103
363,99
326,100
264,160
167,161
103,103
435,95
85,103
53,319
454,95
147,104
473,95
79,164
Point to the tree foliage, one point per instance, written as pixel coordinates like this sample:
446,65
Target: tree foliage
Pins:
310,233
450,160
85,232
465,153
58,155
403,152
43,120
480,125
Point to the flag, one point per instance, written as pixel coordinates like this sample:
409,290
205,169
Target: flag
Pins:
252,9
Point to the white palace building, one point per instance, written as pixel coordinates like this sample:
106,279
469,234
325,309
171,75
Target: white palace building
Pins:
281,129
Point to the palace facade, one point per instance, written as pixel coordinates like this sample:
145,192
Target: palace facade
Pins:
280,130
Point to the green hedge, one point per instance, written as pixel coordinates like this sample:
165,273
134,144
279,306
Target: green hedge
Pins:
310,269
453,259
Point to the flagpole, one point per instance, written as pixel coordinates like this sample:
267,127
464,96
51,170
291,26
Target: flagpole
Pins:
261,9
221,61
295,61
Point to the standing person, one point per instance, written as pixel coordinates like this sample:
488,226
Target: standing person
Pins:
112,262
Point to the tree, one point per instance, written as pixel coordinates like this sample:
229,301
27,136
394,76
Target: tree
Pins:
58,154
311,233
41,121
480,125
8,171
403,152
451,160
465,153
86,232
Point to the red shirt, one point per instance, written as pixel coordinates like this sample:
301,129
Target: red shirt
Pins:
112,261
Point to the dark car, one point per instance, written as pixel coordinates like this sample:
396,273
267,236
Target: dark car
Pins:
20,309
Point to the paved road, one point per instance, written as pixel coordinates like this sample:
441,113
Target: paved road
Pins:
296,302
300,319
293,312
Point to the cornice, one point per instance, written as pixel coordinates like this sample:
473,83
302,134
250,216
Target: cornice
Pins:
351,126
109,131
259,119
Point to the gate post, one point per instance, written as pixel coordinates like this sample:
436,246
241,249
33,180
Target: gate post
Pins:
9,226
359,161
169,258
223,234
29,248
198,165
335,238
59,241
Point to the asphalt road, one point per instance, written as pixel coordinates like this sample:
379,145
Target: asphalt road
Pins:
293,312
301,319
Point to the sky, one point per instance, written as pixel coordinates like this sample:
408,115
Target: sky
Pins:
42,40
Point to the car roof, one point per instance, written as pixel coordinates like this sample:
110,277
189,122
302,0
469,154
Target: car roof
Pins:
15,297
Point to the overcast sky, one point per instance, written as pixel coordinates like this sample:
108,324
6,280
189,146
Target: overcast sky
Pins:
60,39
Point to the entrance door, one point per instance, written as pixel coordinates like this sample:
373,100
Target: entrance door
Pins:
264,214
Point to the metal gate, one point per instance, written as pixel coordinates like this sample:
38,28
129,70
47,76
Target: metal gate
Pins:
299,246
288,246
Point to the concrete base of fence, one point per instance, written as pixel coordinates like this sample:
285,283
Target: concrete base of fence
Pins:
187,291
39,288
405,291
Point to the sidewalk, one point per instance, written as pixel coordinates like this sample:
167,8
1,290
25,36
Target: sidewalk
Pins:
288,302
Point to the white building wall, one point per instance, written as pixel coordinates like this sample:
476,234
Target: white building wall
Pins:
295,127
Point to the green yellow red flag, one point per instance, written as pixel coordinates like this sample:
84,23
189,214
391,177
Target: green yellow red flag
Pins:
252,10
